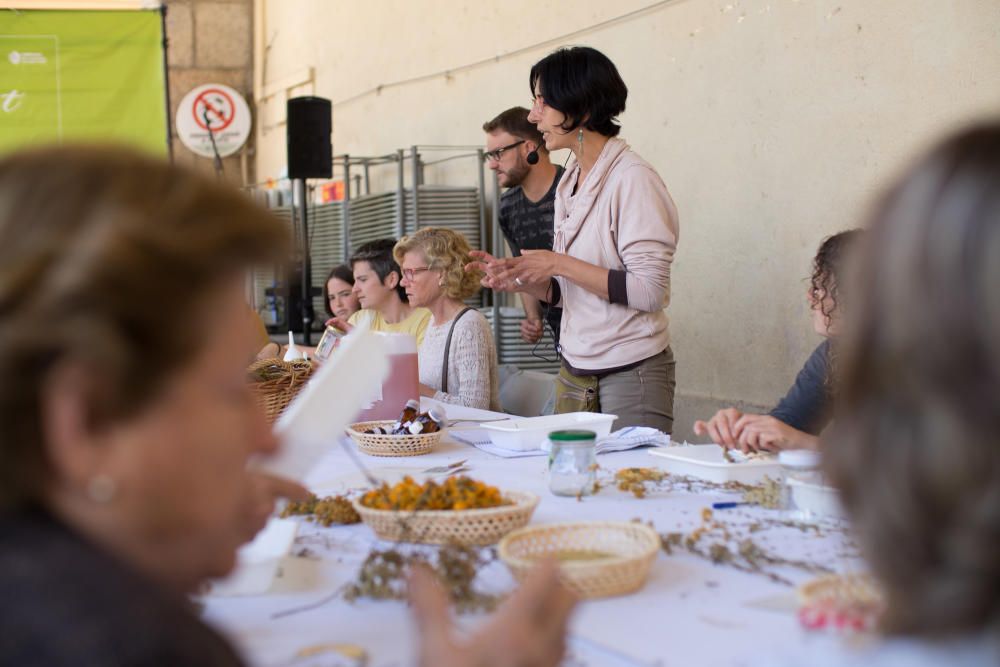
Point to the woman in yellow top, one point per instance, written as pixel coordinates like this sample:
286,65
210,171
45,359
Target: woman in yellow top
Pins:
384,304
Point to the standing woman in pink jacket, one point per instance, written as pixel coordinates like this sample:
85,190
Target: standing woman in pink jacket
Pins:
615,235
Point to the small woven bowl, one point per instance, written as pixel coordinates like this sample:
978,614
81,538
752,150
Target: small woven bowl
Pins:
478,527
391,445
625,551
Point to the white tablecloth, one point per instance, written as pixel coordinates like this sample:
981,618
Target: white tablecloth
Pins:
690,612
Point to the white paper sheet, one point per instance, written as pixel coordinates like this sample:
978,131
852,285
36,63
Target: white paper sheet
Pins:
314,421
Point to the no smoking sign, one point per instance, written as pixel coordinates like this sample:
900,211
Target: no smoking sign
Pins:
213,111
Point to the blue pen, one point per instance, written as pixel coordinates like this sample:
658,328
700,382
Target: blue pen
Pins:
728,506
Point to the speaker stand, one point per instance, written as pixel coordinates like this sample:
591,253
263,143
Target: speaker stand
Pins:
302,213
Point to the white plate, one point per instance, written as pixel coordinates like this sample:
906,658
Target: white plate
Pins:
707,462
527,433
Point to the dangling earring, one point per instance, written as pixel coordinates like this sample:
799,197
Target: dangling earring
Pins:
101,489
579,140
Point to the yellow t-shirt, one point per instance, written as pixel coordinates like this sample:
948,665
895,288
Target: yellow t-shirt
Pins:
415,324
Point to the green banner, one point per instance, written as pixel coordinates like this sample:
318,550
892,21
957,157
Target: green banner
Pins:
82,75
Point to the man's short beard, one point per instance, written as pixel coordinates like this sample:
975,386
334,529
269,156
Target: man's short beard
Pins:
517,174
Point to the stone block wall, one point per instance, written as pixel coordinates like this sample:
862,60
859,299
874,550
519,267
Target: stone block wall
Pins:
211,41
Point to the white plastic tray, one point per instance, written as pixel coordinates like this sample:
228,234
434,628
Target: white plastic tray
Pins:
525,433
706,462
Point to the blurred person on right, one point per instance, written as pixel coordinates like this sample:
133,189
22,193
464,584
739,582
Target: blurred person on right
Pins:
807,407
915,447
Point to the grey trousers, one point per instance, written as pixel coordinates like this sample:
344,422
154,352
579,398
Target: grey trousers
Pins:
642,396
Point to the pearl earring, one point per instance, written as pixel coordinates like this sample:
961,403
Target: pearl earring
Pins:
101,489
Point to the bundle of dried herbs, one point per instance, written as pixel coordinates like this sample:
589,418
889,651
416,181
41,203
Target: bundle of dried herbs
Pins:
325,511
384,573
769,493
731,544
641,481
265,372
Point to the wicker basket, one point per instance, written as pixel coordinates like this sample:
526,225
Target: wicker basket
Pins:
625,552
391,445
474,527
841,602
274,395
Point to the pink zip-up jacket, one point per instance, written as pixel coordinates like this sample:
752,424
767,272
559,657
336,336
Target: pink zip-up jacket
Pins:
621,218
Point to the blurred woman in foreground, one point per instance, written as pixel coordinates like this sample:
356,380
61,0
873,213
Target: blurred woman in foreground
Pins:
126,427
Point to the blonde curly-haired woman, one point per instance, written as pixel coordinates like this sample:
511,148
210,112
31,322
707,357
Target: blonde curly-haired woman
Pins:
458,361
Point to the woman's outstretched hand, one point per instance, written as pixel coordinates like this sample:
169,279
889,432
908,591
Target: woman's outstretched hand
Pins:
529,629
530,272
490,266
338,323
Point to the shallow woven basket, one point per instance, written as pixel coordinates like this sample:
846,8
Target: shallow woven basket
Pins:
391,445
274,395
474,527
858,589
634,547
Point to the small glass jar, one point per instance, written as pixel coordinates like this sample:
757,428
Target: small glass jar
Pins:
572,462
798,466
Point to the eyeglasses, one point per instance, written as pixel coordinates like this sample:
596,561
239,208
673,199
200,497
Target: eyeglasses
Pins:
495,154
410,274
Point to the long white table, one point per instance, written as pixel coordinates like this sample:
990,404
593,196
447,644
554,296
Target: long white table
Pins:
691,612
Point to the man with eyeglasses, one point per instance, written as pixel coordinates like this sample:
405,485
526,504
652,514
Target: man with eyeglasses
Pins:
516,152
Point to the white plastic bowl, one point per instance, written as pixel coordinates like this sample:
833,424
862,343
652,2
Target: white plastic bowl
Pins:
527,433
815,499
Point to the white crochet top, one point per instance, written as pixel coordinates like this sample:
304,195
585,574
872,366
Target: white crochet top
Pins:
472,366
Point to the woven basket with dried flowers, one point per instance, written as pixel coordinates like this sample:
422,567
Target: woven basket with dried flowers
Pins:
275,383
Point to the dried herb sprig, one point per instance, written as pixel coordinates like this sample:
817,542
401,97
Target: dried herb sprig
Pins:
325,511
728,544
384,573
641,481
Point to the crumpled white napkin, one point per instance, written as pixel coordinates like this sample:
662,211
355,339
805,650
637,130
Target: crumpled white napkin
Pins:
629,437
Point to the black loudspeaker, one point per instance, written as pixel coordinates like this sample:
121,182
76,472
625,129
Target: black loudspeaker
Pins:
310,154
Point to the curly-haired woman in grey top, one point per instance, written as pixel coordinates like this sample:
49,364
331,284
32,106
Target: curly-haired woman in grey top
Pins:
795,423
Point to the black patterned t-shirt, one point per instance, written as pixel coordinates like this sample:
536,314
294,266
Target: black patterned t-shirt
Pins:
527,225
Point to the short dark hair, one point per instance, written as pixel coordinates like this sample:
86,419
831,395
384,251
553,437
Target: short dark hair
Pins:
583,84
515,121
378,254
340,272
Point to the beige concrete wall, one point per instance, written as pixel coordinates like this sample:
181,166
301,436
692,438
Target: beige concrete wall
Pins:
772,122
210,41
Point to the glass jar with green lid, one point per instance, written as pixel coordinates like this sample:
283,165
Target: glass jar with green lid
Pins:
572,462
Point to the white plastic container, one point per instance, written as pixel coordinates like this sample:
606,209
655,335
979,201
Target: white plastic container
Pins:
815,500
708,463
527,433
400,385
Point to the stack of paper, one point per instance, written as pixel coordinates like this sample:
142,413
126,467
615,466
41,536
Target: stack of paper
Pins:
629,437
